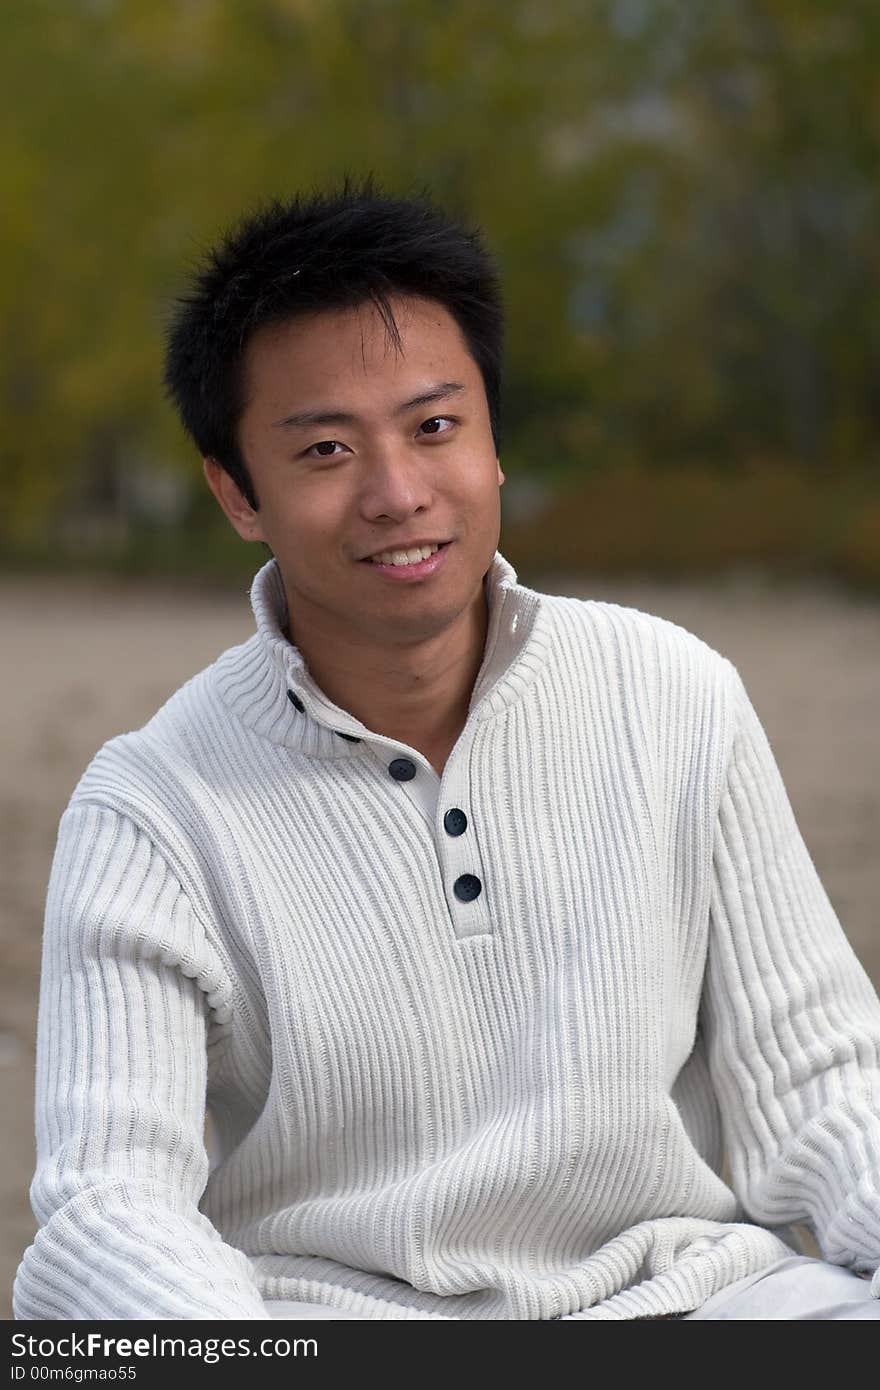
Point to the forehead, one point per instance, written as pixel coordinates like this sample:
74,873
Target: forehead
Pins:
353,347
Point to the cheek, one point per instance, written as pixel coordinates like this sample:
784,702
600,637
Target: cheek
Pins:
477,478
313,536
294,511
489,492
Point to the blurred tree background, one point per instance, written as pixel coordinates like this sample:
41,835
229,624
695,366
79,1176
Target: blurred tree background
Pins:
683,200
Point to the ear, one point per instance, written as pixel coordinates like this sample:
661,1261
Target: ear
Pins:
500,474
235,505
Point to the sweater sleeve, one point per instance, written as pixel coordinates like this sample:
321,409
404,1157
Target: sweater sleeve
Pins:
132,996
791,1020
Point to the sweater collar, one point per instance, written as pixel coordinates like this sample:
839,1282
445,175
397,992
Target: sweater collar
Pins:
267,683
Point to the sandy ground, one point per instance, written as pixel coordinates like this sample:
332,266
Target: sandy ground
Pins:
84,660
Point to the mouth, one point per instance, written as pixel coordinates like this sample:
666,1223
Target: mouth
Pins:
400,559
417,563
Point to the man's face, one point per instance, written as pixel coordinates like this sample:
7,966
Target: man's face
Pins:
331,493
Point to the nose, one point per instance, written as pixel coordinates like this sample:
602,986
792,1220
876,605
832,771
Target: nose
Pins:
396,485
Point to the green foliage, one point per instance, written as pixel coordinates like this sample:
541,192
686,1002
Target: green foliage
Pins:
682,198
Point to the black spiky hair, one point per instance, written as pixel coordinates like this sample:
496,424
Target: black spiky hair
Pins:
327,249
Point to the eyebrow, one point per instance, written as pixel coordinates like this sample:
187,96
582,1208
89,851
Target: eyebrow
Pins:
329,416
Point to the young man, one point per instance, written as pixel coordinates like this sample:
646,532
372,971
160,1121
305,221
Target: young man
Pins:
480,916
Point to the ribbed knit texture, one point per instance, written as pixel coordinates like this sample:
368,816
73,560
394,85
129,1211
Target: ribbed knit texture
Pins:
511,1107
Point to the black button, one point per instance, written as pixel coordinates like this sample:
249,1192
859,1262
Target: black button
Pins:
455,821
467,888
402,769
296,702
351,738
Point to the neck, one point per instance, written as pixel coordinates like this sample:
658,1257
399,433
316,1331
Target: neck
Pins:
418,694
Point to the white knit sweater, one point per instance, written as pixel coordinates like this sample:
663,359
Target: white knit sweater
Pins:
474,1045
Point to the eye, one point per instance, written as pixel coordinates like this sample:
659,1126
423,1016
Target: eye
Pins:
433,420
320,445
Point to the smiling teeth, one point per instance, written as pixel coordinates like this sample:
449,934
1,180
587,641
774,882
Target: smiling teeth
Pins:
404,557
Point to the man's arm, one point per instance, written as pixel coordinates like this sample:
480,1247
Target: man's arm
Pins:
131,995
792,1021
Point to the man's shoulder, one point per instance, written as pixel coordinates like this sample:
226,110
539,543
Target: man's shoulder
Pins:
171,748
623,630
639,670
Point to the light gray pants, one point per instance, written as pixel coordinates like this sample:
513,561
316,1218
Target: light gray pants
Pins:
795,1287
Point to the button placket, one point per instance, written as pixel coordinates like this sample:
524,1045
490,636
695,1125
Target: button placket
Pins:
440,801
458,852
